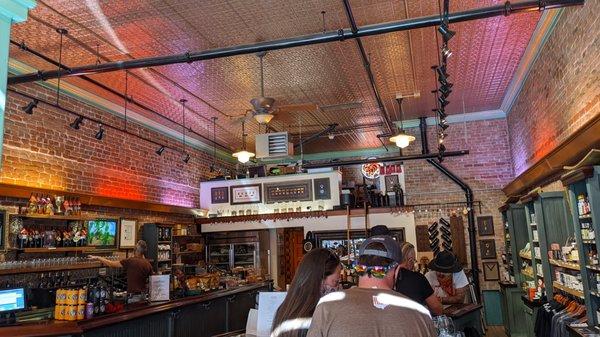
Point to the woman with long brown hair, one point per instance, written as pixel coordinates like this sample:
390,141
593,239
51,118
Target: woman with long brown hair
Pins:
317,275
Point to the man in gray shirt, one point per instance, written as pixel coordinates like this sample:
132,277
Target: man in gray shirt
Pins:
372,309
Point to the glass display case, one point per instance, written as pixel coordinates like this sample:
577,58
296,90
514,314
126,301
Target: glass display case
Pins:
228,256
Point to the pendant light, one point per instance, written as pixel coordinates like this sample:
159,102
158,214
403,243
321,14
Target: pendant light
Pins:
402,139
243,156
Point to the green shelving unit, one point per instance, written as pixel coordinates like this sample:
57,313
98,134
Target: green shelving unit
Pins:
583,186
515,235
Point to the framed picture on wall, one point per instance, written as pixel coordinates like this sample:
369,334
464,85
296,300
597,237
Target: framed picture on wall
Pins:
3,231
127,235
485,225
219,195
246,194
391,181
487,249
491,271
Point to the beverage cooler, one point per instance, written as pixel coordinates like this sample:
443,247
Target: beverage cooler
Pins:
230,255
338,240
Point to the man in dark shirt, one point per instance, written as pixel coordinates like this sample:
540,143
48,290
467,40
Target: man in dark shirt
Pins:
413,284
137,268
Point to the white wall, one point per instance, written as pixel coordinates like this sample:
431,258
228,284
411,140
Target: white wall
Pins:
338,222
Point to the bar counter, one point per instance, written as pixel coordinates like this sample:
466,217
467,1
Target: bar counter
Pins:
208,314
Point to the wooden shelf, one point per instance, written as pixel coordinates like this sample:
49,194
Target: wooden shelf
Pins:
188,236
595,293
594,268
90,265
589,241
163,242
530,275
194,252
64,250
53,217
525,256
558,263
568,290
587,216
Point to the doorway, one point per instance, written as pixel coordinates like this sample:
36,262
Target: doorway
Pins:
292,249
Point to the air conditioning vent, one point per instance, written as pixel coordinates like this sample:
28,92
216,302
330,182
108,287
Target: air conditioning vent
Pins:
273,145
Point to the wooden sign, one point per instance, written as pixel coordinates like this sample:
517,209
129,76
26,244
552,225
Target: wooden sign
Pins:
422,238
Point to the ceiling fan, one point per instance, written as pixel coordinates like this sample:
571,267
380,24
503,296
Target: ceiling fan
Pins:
263,109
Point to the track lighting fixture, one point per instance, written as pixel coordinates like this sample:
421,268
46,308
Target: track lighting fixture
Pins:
445,91
442,75
29,107
100,133
441,148
160,150
443,102
446,52
443,124
440,112
441,136
447,34
186,159
77,123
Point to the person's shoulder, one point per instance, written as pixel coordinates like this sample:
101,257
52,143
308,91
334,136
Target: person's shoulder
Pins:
394,299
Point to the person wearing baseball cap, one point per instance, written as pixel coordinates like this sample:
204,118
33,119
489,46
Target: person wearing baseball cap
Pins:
447,278
372,308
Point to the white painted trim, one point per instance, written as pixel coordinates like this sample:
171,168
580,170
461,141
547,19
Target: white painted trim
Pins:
458,118
538,39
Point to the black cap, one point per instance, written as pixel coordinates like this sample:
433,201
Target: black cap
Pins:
445,262
392,248
380,230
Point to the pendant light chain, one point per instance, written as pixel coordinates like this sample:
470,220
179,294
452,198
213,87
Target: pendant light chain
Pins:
183,101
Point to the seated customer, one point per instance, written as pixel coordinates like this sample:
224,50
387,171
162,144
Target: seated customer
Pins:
317,275
413,284
373,308
447,278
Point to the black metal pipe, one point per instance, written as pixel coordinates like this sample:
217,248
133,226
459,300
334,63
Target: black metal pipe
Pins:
423,129
384,159
26,48
331,36
310,138
469,200
470,220
367,65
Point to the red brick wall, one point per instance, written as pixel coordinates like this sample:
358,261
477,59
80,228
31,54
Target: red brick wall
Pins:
41,150
486,170
561,92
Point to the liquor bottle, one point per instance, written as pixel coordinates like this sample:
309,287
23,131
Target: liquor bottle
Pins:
42,284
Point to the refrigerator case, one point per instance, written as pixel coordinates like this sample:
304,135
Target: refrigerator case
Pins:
229,256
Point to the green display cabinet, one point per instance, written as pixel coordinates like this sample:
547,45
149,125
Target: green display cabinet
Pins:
583,186
516,237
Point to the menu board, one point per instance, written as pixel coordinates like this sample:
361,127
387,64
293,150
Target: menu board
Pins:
300,190
159,287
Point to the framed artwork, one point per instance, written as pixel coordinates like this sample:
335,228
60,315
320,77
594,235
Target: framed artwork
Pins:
491,271
485,225
300,190
390,181
246,194
487,249
3,229
219,195
322,191
127,235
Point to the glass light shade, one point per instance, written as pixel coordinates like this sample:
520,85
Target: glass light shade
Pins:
263,118
243,156
402,140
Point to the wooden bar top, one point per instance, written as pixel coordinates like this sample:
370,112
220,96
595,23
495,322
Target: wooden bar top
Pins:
132,311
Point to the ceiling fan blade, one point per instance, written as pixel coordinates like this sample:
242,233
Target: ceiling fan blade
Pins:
238,120
296,108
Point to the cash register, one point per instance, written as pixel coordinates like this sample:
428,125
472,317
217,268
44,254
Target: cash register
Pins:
11,301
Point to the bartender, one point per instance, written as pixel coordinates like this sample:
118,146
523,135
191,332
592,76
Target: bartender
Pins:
447,278
137,268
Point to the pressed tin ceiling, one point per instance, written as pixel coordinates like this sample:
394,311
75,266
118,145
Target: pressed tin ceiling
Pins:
486,55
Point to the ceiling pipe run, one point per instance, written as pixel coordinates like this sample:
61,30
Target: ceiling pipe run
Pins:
26,48
469,200
338,35
384,159
309,139
367,65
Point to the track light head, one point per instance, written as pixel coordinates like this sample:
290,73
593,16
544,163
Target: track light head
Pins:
447,34
212,168
160,150
443,124
100,133
440,112
446,52
442,75
29,107
441,136
445,91
441,148
186,159
443,101
77,123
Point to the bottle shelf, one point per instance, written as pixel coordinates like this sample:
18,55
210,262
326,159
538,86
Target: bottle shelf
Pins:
589,241
525,256
595,268
188,236
568,290
42,269
194,252
567,265
62,250
586,216
528,274
53,217
595,293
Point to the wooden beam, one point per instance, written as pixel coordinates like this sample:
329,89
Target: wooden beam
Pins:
551,166
24,192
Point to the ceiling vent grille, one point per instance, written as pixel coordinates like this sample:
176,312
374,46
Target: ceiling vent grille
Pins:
273,145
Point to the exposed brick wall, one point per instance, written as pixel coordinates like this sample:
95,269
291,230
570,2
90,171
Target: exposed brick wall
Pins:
486,170
41,150
561,92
